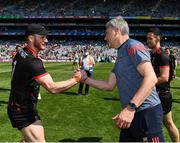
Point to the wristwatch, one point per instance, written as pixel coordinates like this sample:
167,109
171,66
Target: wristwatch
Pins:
132,106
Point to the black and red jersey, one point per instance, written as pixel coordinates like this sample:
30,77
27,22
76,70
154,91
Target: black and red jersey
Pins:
160,60
26,67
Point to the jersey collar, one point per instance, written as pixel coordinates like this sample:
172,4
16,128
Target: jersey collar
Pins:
33,52
124,43
158,50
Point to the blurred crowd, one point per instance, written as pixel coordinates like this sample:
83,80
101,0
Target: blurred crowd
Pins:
65,50
154,8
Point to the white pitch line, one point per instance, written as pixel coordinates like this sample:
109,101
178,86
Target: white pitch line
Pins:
177,77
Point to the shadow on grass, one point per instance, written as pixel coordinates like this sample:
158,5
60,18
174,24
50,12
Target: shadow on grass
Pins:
174,87
176,100
70,93
113,99
83,139
4,89
3,102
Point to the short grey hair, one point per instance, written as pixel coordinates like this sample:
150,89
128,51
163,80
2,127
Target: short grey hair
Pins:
120,23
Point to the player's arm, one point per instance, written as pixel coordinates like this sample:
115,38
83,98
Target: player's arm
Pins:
164,69
149,80
103,85
35,66
164,75
58,87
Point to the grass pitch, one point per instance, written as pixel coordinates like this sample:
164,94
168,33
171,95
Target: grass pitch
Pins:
68,117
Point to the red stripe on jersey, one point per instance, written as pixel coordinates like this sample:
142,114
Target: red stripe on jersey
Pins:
155,139
41,75
158,139
162,67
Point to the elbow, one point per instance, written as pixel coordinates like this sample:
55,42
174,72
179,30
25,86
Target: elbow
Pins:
155,80
109,88
52,91
51,88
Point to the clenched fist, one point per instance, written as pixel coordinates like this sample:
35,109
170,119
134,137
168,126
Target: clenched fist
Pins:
83,76
77,75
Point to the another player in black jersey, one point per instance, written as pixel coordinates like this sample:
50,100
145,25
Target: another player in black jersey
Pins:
28,73
160,62
172,64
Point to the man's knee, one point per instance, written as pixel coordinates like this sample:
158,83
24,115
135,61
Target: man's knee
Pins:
168,121
34,132
34,139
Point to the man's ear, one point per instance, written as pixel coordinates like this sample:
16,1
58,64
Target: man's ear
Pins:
31,38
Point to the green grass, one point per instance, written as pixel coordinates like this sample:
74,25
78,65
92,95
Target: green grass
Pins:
67,117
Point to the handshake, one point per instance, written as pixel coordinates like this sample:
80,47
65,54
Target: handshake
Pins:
80,75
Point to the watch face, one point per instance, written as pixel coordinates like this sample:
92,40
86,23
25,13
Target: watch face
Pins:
132,105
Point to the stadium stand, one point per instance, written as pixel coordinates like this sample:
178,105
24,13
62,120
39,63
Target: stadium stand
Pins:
154,8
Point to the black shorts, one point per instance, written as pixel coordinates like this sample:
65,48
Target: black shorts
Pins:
166,101
145,127
20,120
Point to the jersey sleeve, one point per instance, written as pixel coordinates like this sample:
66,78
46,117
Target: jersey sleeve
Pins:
138,53
163,61
36,68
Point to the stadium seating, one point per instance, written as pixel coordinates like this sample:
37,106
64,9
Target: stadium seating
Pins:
153,8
